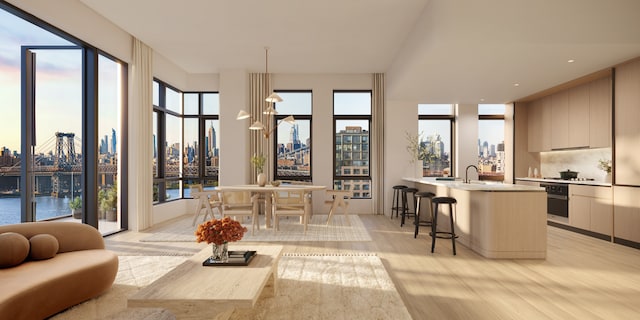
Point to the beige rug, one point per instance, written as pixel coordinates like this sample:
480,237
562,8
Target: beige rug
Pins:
311,286
290,230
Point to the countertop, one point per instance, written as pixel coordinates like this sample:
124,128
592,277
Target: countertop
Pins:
475,185
588,183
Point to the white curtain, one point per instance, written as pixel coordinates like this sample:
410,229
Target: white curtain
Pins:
141,137
377,143
259,90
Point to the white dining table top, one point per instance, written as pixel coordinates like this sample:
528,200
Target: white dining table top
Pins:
268,187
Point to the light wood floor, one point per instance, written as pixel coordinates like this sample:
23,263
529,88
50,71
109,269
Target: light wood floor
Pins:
582,277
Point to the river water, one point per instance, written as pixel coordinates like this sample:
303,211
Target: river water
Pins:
46,207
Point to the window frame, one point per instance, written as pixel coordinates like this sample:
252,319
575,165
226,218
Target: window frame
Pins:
452,123
365,174
492,117
202,118
279,117
161,180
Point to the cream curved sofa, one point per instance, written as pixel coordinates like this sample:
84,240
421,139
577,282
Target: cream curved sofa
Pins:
82,269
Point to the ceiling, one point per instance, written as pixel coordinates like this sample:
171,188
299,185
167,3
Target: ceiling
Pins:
432,51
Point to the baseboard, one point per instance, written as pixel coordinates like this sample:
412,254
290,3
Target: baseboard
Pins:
627,243
581,231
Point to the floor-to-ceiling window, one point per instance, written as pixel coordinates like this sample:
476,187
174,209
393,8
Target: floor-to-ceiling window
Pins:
293,147
351,121
48,82
435,132
167,141
491,155
201,140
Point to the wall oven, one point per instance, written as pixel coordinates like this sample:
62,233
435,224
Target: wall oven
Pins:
557,198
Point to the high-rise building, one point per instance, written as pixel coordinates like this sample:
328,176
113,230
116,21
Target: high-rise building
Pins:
114,146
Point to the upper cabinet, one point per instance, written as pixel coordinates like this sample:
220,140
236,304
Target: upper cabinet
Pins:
579,117
560,120
579,113
600,113
627,120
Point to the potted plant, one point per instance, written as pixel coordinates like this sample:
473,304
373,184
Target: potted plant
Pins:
258,162
76,207
108,200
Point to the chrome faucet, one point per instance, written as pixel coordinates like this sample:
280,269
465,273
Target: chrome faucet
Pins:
466,173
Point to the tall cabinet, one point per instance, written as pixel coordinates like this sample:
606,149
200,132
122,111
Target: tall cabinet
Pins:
578,117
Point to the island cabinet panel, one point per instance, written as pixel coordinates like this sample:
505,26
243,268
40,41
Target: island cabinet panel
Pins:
578,120
560,120
627,120
626,210
591,208
499,221
600,113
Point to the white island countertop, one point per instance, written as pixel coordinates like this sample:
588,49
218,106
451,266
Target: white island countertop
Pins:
475,185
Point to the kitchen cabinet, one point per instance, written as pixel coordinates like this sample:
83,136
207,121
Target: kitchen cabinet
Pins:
600,113
591,208
539,125
626,207
578,117
627,118
560,120
534,126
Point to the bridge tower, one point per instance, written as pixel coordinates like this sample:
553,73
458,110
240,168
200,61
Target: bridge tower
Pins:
62,161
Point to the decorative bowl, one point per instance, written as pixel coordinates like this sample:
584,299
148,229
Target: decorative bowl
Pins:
275,183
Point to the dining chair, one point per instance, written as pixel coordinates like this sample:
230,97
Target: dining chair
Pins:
241,204
290,203
337,199
208,202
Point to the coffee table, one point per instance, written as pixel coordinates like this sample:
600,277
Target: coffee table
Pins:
193,291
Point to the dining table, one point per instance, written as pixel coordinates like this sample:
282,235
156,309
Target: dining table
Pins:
267,192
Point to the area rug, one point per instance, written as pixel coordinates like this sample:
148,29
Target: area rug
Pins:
290,230
310,286
134,272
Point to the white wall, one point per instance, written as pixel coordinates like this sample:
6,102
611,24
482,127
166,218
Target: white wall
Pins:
400,117
466,140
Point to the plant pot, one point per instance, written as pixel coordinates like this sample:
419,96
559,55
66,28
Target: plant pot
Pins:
112,215
76,213
262,179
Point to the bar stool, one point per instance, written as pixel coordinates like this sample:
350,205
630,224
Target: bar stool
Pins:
443,234
395,200
405,203
418,220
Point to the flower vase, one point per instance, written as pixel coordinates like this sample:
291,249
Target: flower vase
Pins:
262,179
607,178
220,253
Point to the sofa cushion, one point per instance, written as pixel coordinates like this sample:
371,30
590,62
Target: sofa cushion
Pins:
43,246
14,248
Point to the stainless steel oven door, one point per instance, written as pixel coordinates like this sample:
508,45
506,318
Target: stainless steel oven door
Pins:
558,205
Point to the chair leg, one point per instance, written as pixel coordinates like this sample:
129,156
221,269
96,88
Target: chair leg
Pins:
433,227
416,220
453,233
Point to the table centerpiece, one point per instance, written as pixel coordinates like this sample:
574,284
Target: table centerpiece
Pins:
219,232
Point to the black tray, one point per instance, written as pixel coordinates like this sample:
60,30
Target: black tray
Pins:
236,258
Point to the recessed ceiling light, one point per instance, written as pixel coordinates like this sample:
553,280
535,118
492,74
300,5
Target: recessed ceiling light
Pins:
516,84
571,61
481,100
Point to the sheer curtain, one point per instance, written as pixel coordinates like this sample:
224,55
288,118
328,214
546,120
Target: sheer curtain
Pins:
259,88
141,137
377,143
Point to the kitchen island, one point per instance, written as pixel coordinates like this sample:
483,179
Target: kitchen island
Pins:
500,221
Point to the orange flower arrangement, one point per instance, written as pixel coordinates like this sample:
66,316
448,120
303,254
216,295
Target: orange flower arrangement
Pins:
220,231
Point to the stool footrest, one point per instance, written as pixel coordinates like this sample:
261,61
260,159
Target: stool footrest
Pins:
444,235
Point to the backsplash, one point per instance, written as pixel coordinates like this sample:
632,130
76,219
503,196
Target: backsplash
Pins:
584,161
